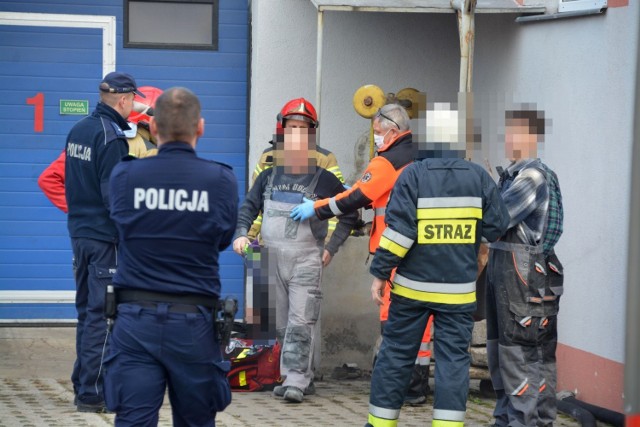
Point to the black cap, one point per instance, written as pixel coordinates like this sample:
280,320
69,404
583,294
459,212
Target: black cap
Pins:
116,82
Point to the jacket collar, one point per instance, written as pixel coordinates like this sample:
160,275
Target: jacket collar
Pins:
403,138
104,110
176,147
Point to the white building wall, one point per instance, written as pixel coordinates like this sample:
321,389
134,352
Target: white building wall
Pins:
581,71
391,50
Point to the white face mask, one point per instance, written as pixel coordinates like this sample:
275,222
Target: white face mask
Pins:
379,139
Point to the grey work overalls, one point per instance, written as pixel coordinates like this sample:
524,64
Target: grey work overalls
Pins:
523,295
298,260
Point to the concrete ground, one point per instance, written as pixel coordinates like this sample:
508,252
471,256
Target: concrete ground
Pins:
35,390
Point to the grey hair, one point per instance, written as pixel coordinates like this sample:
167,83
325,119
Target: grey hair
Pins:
398,114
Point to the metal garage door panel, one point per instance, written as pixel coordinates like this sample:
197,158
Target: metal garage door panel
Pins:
35,253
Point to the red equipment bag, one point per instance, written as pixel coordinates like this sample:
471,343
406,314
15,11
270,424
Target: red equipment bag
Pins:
254,367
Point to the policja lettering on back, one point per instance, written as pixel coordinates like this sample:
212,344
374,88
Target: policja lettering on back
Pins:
79,151
173,199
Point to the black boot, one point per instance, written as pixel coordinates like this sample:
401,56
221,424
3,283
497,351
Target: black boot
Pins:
419,385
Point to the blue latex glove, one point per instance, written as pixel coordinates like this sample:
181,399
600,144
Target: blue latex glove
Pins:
303,211
346,187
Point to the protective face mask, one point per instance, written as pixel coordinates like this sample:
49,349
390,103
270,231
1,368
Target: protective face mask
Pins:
379,140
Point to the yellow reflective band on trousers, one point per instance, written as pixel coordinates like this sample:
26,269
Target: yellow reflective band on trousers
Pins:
383,417
242,378
392,247
332,223
442,423
381,422
442,298
447,418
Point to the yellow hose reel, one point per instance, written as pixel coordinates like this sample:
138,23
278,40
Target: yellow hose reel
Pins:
367,100
412,100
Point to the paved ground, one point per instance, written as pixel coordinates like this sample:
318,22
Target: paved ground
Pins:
35,391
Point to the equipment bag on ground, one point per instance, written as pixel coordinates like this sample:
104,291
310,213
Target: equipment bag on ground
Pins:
254,367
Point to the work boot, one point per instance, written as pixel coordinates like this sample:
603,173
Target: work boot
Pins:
293,395
279,390
96,408
419,385
311,389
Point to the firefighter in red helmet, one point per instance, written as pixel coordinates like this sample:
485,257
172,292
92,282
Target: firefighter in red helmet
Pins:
296,113
141,142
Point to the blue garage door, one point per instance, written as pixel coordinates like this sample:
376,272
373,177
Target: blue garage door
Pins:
39,66
43,65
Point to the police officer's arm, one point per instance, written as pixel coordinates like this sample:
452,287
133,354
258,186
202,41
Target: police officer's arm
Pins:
346,221
373,183
117,189
251,207
401,218
495,216
51,182
114,151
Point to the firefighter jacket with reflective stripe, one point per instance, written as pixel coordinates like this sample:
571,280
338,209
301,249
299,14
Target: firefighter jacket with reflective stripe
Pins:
325,159
438,213
373,188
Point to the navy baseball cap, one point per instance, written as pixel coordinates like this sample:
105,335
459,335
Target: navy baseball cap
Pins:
116,82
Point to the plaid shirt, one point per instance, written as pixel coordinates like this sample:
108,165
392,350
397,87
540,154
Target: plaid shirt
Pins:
525,188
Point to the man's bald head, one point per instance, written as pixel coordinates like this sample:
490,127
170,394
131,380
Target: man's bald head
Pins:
177,116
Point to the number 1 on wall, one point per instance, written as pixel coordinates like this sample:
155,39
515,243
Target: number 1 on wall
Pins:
38,114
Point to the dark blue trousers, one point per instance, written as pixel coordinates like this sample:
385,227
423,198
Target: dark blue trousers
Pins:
95,263
401,340
152,349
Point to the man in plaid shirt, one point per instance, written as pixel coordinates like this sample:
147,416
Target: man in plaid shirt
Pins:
524,281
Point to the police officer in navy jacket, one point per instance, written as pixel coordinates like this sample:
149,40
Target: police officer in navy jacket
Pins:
174,213
94,146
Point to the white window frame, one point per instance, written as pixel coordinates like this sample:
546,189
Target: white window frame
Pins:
108,26
106,23
580,5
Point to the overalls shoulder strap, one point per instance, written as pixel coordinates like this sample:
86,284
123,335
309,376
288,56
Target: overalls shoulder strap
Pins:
311,188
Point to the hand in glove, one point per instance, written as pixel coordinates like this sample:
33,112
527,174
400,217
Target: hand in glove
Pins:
303,211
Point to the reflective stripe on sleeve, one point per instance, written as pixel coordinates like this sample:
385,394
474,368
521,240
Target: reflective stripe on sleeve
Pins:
380,211
395,242
336,171
334,207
